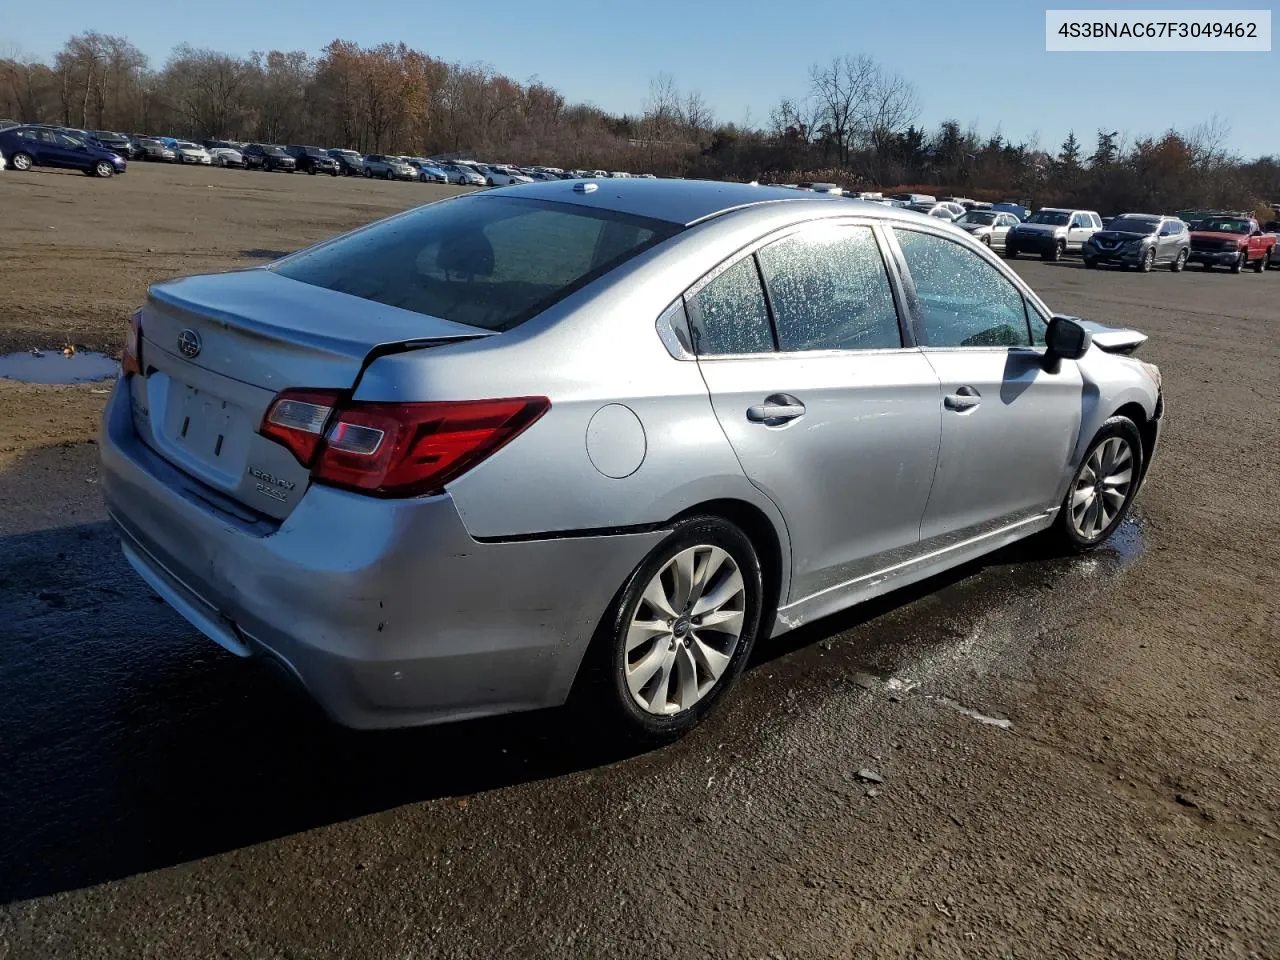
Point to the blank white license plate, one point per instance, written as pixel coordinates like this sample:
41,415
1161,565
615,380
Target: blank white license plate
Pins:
204,425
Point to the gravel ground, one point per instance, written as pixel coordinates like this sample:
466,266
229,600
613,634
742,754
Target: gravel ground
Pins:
1033,756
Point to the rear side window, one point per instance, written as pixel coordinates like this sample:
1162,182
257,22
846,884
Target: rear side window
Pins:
964,301
830,291
489,262
729,315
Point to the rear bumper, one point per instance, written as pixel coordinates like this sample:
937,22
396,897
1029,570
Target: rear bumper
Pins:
389,612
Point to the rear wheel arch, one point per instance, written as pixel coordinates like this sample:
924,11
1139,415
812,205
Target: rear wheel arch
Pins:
766,540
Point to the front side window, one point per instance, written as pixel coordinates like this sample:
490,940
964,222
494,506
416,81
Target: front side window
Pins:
964,301
729,315
830,291
489,262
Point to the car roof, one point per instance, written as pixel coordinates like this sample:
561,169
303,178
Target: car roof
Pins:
677,201
1144,216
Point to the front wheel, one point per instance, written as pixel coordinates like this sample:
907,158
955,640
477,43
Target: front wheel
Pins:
103,169
1056,254
1148,261
1179,262
1010,253
1238,266
1103,488
23,161
1090,263
1261,264
677,635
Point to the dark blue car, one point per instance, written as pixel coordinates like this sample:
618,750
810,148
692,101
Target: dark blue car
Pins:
34,146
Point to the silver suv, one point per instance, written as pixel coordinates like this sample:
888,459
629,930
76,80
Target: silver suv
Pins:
1051,232
1140,240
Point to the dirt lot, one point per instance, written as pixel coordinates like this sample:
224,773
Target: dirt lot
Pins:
160,799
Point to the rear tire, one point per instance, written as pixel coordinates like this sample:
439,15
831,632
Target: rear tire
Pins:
650,642
1090,511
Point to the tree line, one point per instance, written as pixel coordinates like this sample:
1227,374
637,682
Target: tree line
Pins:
852,122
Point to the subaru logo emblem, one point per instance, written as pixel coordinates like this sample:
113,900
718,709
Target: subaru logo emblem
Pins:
189,344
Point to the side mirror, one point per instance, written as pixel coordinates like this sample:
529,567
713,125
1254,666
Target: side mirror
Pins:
1065,339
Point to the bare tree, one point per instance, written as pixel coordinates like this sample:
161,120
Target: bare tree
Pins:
698,116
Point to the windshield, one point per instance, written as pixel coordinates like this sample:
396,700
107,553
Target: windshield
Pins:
986,218
1055,218
274,151
1133,225
1225,225
485,261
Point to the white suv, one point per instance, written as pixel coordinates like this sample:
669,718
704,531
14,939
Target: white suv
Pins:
1051,232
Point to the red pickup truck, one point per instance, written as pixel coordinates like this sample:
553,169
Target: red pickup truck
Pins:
1231,240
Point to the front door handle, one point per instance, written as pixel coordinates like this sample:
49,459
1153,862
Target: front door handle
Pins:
965,398
776,409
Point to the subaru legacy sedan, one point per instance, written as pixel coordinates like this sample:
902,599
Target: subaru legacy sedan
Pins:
589,442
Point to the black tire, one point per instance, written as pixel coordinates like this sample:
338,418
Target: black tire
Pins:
1261,264
1206,266
1056,254
1063,530
23,161
311,171
1010,253
368,173
986,238
389,175
1090,263
1238,266
601,691
1148,261
104,169
1179,262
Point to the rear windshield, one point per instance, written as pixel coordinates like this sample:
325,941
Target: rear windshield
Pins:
485,261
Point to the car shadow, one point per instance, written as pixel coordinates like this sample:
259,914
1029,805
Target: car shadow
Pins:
130,743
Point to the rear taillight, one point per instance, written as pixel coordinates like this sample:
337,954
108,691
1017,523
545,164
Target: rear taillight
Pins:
297,418
395,449
131,355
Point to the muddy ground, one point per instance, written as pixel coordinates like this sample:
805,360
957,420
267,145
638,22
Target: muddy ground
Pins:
159,798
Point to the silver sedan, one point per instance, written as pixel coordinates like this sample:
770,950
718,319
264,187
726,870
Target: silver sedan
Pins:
592,441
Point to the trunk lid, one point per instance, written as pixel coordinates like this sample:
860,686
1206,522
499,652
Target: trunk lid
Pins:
216,351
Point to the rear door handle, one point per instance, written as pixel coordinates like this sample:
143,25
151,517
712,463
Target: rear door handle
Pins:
776,409
965,398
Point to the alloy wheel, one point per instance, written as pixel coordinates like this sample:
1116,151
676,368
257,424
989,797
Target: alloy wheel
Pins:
21,162
685,630
1102,487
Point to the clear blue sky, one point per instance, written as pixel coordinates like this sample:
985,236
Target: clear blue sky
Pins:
981,62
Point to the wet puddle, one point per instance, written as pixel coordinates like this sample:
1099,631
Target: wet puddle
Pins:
56,367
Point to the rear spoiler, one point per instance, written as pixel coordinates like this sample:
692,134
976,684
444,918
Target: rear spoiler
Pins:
1113,339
